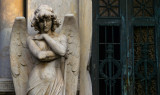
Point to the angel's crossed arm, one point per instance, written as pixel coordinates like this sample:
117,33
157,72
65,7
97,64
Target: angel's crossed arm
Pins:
38,53
58,46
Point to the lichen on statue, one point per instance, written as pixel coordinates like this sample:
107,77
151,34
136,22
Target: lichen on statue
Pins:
48,47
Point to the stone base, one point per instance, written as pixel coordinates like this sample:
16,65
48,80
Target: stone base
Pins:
7,93
6,85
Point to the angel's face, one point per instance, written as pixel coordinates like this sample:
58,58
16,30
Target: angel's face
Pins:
45,24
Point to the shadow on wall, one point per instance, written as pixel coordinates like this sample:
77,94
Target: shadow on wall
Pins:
4,53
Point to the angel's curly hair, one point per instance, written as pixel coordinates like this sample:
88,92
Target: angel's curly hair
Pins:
44,11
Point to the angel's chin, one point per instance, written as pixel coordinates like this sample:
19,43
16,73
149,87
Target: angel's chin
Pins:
45,31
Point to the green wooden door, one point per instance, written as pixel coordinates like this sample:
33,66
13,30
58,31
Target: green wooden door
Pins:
126,47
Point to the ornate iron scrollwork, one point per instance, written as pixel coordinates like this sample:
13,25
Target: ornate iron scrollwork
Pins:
109,8
111,62
143,8
146,61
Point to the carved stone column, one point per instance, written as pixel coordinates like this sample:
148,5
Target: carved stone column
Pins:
85,26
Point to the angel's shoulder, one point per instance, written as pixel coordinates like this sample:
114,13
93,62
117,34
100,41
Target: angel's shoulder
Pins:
62,36
29,37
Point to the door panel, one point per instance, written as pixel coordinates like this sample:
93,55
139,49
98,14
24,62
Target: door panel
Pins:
145,61
109,60
125,50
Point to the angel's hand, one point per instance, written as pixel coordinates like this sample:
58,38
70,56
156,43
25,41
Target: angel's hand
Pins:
38,37
42,55
47,56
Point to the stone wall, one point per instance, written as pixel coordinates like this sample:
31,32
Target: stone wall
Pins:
9,9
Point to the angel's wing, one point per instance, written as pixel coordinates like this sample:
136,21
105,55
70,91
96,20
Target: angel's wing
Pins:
20,58
72,61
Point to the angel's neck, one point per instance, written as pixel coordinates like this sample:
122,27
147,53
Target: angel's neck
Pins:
51,33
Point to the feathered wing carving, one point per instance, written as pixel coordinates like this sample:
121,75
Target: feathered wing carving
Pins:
72,58
22,61
20,58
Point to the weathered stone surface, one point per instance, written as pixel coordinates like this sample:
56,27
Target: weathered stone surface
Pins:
85,27
60,7
72,62
9,9
48,47
44,76
20,57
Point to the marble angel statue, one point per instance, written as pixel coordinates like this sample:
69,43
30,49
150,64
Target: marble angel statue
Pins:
47,63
